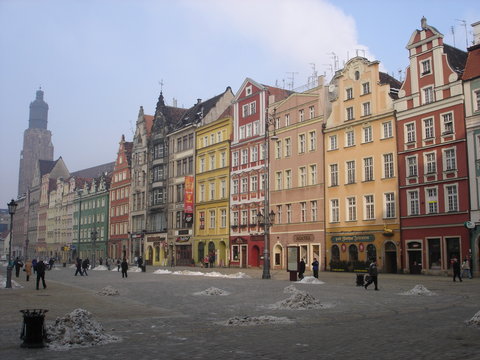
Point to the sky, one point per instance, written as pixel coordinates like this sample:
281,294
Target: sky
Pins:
99,61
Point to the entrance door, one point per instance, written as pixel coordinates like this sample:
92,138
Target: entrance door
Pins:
390,258
255,260
244,256
415,261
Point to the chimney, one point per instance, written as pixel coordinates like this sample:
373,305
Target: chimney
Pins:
476,33
199,101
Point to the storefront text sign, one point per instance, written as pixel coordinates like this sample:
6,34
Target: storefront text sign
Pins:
353,238
303,238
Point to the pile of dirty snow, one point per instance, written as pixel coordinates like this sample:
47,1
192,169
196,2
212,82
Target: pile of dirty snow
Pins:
419,290
134,269
239,275
299,300
256,320
213,291
310,280
474,321
100,268
77,329
290,289
162,272
108,291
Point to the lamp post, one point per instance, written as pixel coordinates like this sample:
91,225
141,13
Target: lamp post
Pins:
12,207
26,248
79,192
94,245
267,218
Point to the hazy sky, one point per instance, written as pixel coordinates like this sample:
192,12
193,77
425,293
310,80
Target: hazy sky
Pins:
98,61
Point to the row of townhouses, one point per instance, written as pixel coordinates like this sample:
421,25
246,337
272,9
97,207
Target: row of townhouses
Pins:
358,168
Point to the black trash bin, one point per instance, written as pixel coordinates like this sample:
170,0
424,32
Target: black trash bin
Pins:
144,268
360,280
33,329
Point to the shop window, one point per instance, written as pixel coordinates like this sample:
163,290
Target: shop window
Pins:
434,254
235,252
453,250
335,253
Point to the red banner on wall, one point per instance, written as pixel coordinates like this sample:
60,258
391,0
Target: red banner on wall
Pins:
188,199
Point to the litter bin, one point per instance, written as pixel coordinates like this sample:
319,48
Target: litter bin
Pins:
144,268
33,329
360,279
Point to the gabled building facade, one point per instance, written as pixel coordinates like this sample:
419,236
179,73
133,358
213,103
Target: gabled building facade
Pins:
432,155
139,185
247,189
165,119
119,209
471,87
212,181
362,217
296,176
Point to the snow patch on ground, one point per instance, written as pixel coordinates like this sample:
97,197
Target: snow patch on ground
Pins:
257,320
474,321
213,291
108,291
310,280
100,268
3,283
239,275
77,329
419,290
299,300
134,269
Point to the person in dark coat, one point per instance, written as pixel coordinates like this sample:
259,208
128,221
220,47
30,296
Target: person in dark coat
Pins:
373,273
41,273
315,267
85,265
118,265
34,265
456,269
124,266
79,267
18,265
301,269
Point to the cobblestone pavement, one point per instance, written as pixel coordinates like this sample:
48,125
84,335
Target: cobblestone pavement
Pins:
158,317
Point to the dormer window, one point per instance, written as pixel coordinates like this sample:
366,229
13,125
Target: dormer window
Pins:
248,90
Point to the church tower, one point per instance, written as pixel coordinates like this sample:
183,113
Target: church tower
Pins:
37,142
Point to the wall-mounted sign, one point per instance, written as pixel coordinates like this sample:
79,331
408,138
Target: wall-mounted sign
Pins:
303,238
353,238
344,247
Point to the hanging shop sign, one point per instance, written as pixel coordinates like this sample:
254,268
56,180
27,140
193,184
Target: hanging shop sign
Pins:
188,199
182,239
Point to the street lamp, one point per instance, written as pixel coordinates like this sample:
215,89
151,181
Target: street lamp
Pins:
12,207
269,219
79,192
26,248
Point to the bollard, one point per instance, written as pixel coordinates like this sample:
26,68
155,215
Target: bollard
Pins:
33,329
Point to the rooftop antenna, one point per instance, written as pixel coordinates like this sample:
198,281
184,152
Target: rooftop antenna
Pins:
161,85
313,78
330,66
452,29
292,79
335,61
464,24
358,50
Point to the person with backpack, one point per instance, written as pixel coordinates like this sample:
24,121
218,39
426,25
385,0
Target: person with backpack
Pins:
315,267
85,265
373,274
124,266
41,273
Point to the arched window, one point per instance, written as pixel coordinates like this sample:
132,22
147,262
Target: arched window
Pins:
201,251
371,252
352,253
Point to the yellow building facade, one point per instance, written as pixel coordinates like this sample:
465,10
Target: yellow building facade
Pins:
212,191
362,211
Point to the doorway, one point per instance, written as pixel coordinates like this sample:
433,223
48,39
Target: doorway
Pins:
243,256
390,258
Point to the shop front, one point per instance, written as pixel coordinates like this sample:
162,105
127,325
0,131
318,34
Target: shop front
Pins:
216,250
308,244
183,251
156,250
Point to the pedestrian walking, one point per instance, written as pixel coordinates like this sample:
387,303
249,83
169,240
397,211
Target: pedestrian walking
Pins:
124,266
28,269
34,265
466,269
373,274
50,263
85,265
118,264
456,269
79,267
211,259
107,264
315,267
18,264
301,268
41,273
140,262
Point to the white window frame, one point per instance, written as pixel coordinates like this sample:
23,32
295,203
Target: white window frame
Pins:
311,110
244,185
244,159
449,160
278,149
349,114
312,135
426,67
430,161
301,115
314,210
451,197
410,133
313,174
411,163
213,219
333,142
288,147
302,145
288,179
349,138
369,207
388,166
350,173
389,205
367,134
368,169
334,211
302,176
413,202
303,211
448,124
431,200
387,130
334,175
223,218
351,205
235,158
366,88
366,108
428,95
428,128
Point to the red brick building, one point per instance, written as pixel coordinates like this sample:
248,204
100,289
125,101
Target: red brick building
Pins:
118,243
432,160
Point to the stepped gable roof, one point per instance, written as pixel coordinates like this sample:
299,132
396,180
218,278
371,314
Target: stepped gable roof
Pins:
46,166
395,85
95,171
148,123
456,58
472,67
